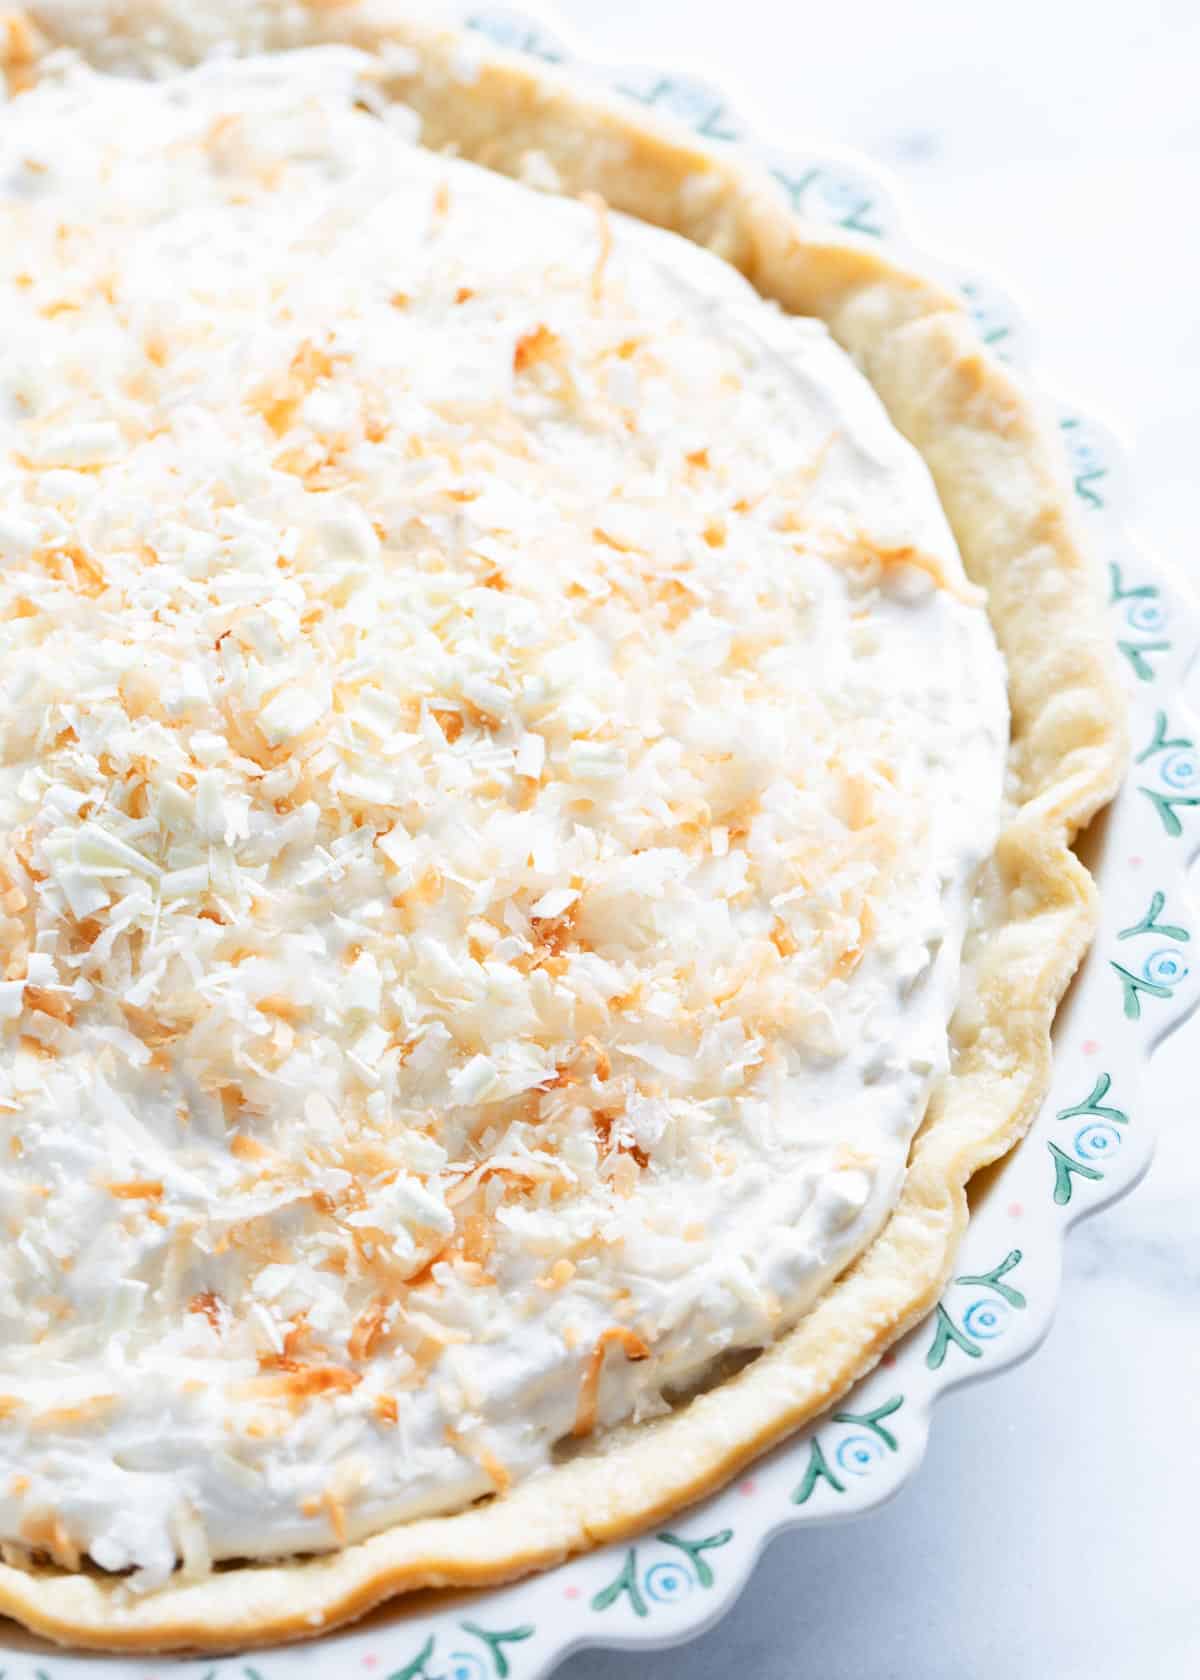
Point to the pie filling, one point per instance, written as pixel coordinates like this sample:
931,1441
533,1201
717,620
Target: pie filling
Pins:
495,749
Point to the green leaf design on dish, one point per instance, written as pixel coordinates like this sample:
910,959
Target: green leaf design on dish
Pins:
994,1279
947,1333
872,1421
1160,741
416,1669
1091,1105
1065,1168
1151,924
1165,805
818,1471
1132,985
625,1582
496,1642
694,1550
1136,653
1142,592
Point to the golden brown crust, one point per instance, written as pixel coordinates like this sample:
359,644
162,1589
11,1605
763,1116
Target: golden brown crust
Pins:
1000,485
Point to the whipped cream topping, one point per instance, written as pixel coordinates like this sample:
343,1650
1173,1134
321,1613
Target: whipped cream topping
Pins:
495,745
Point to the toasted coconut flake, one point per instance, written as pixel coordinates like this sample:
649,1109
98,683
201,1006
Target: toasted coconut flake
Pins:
480,1454
79,1415
301,1383
136,1189
209,1306
631,1345
368,1330
604,238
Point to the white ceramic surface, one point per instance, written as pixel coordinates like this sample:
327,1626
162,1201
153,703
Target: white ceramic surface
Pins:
1091,1143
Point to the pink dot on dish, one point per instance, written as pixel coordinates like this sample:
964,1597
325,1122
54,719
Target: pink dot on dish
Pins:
371,1662
1089,1047
1016,1209
747,1486
571,1592
1135,863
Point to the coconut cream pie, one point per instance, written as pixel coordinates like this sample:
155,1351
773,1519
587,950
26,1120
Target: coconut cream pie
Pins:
504,745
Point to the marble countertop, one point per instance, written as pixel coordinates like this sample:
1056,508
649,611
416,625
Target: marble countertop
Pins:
1050,1532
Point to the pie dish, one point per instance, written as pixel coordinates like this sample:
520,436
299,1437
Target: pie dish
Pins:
814,461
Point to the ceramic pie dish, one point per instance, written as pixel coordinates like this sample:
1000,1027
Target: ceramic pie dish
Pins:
997,479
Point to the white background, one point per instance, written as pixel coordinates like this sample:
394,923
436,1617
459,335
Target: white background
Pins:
1053,1532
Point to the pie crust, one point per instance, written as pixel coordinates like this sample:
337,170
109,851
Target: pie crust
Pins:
1004,494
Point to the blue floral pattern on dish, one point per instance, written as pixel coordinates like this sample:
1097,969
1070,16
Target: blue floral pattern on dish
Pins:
667,1581
1144,613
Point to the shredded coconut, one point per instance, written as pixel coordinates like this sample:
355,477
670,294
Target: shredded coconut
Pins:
494,746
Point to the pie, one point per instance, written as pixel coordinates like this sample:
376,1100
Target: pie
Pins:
545,706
